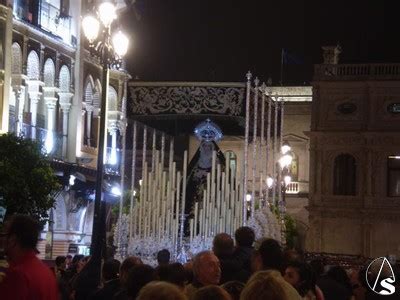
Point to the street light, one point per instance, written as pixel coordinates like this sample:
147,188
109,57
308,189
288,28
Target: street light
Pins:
109,49
280,181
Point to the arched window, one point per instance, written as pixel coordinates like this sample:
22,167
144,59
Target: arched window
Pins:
232,160
49,72
96,97
88,99
344,175
112,99
88,92
64,79
33,69
16,58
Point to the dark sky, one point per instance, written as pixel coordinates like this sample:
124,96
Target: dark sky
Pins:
220,40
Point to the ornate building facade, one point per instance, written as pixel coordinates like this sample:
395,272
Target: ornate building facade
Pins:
50,91
354,154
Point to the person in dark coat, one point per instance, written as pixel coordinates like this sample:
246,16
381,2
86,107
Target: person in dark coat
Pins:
231,269
244,237
111,280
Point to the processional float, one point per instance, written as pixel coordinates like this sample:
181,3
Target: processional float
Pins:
158,217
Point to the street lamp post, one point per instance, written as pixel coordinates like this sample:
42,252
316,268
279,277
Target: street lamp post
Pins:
281,183
109,49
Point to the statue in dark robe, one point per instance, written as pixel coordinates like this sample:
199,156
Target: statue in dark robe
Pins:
208,133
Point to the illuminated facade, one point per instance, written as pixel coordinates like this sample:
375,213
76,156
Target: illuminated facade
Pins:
354,157
50,91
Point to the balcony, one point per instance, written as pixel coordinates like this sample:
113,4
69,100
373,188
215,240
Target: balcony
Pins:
297,187
53,21
46,18
357,72
52,142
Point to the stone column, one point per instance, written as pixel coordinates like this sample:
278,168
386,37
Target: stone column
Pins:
24,54
41,63
72,85
65,109
19,108
65,104
113,129
51,103
89,112
34,98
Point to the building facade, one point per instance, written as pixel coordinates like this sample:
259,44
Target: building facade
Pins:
354,158
50,91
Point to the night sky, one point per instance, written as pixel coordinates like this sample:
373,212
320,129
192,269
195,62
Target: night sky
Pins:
220,40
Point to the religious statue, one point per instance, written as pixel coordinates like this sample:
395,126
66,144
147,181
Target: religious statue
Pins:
208,134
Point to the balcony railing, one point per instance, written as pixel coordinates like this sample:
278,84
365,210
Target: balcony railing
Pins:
292,188
357,72
297,187
52,141
53,21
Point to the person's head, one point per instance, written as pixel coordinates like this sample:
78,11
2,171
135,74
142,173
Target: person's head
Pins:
244,236
300,276
211,292
21,235
127,265
163,257
339,274
78,262
256,262
263,285
60,262
206,268
137,278
110,269
158,290
223,245
271,255
176,275
234,288
290,255
68,260
317,265
189,271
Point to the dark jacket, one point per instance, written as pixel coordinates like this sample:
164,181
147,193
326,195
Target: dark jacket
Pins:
243,257
108,291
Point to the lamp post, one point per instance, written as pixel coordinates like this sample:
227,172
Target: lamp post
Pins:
109,49
281,183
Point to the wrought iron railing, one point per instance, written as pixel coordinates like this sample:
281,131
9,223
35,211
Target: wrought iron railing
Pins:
52,142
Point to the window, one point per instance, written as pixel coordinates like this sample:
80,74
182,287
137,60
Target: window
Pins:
294,167
393,176
344,175
347,108
394,108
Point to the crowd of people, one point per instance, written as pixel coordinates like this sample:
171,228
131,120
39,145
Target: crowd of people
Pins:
234,269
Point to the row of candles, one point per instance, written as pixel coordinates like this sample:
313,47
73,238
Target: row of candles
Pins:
160,211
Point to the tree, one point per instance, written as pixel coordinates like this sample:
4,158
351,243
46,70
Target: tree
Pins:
28,184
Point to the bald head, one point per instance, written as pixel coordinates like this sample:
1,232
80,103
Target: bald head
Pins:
223,245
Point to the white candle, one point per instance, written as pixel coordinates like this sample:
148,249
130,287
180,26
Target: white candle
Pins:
196,211
191,231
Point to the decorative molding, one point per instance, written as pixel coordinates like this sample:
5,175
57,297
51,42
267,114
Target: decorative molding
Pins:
156,100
